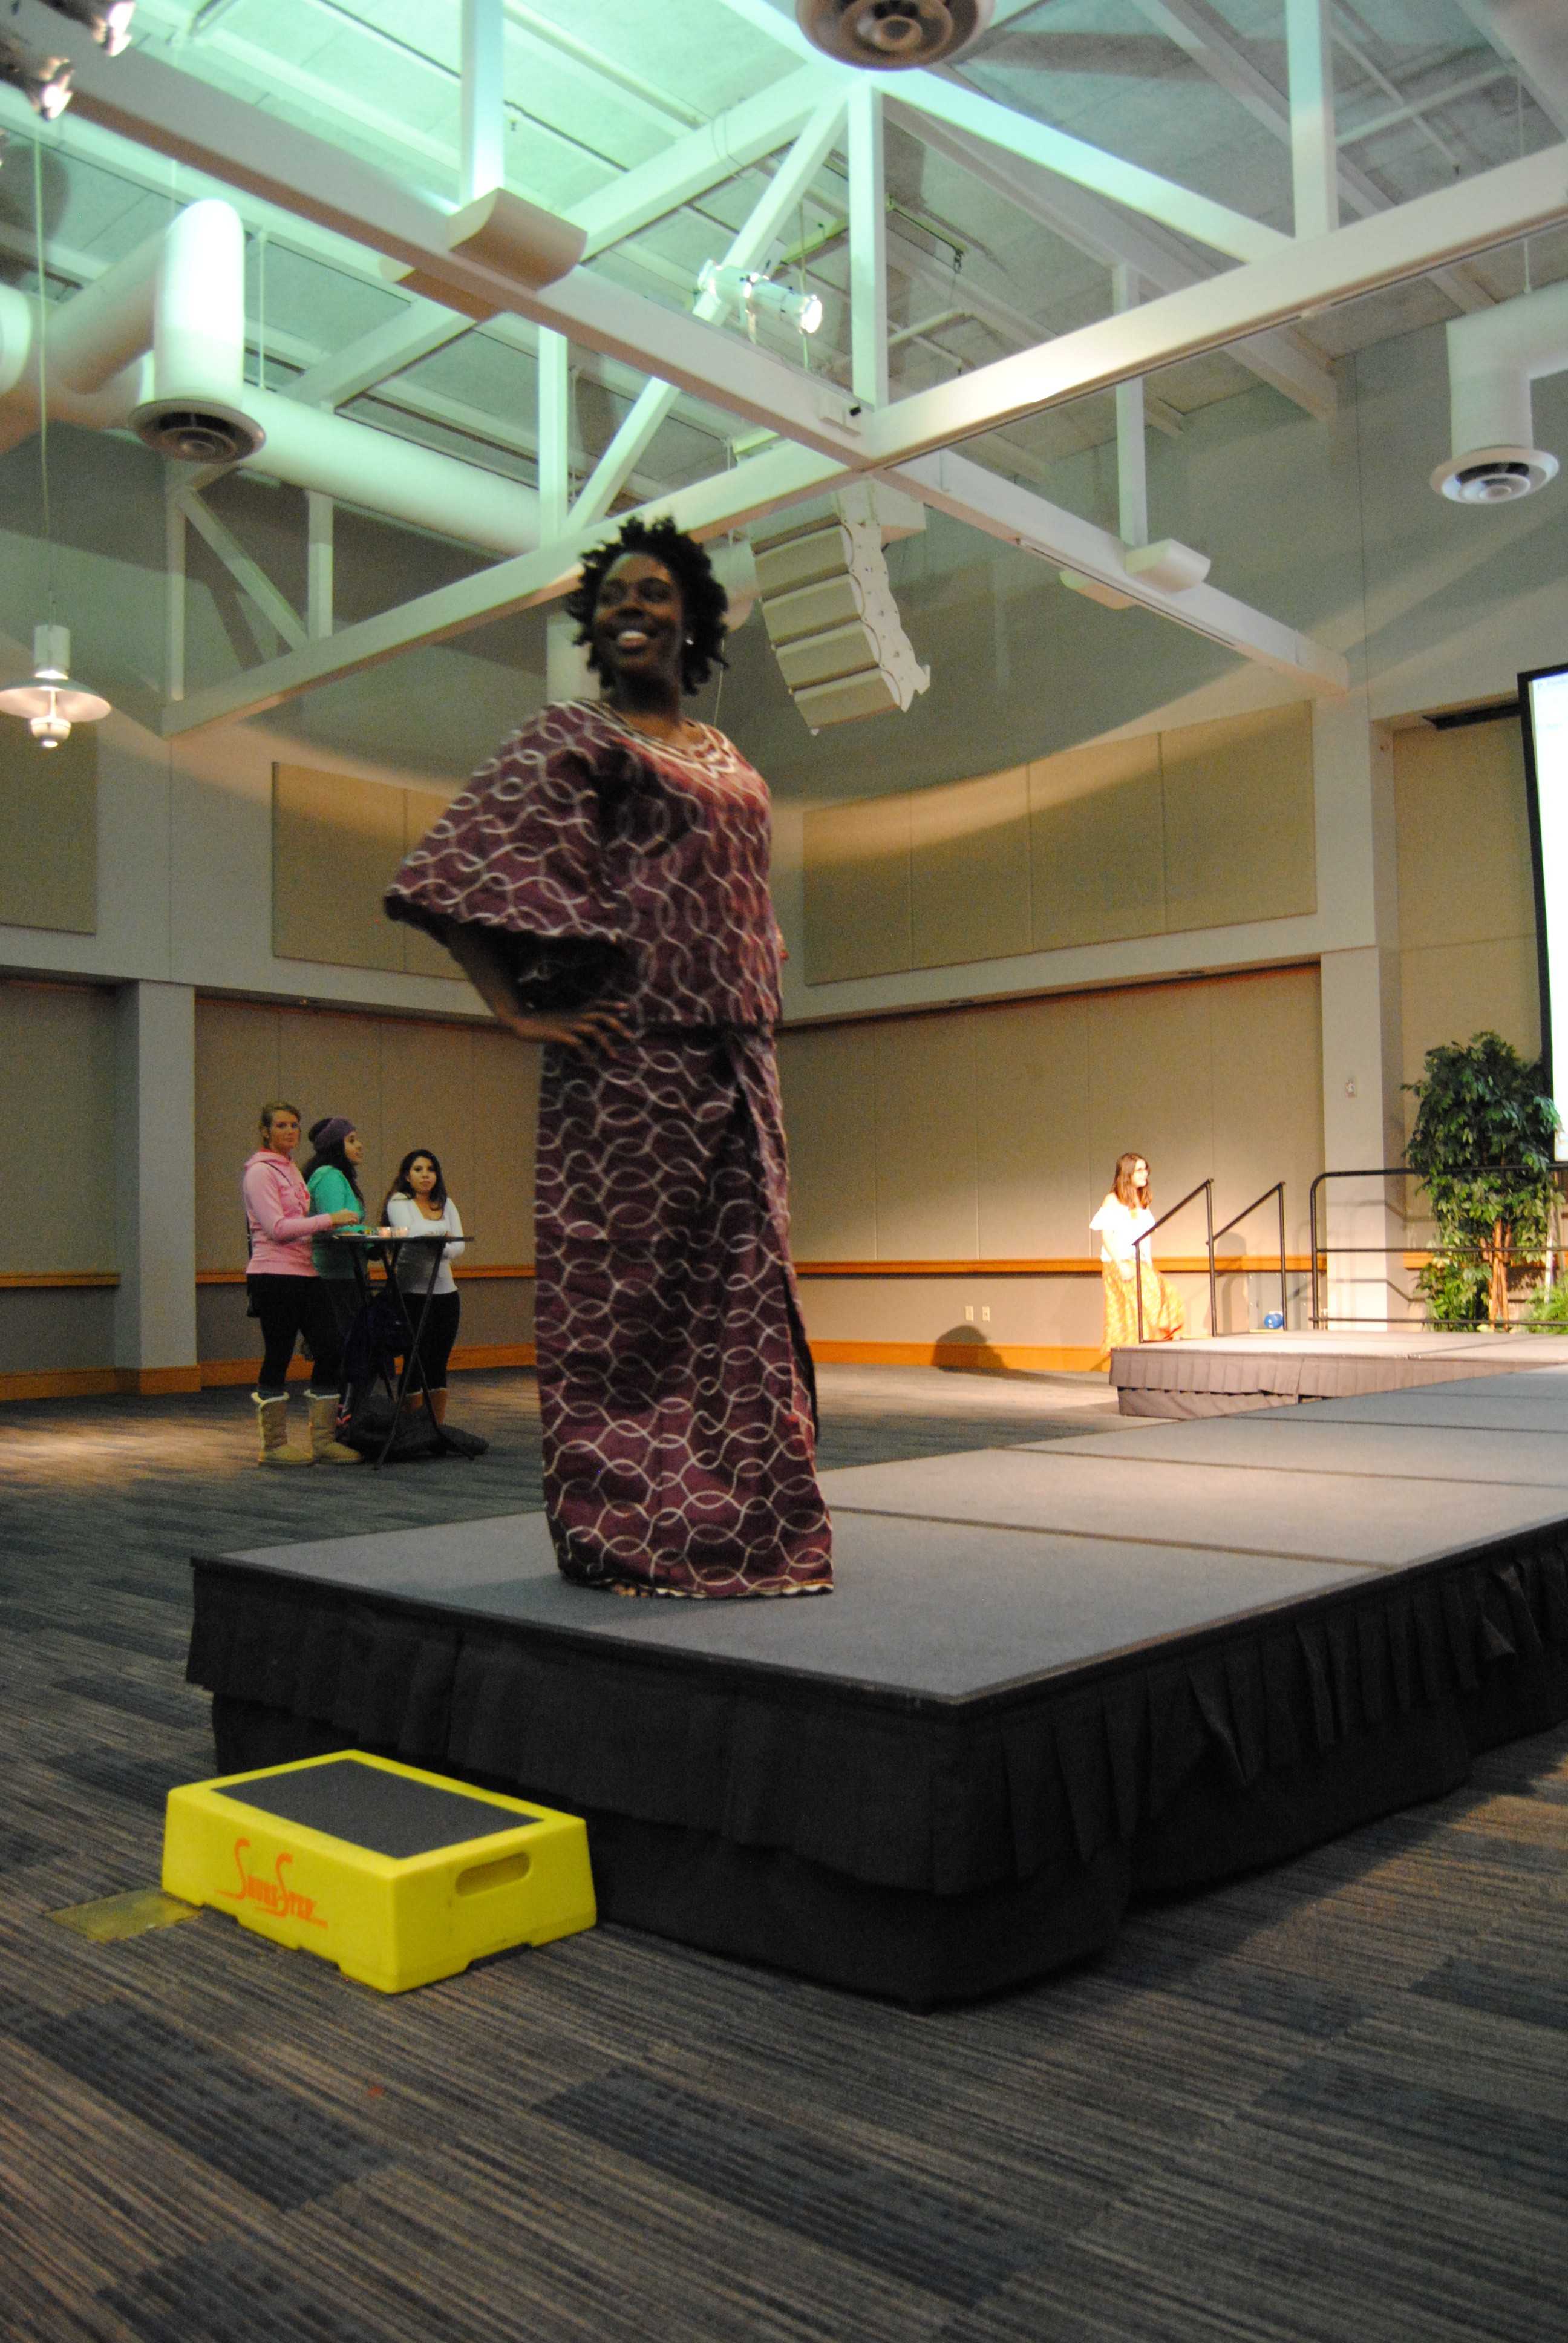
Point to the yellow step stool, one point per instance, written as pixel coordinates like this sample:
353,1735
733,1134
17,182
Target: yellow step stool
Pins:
399,1875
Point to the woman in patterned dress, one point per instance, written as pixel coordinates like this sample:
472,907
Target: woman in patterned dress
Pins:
1126,1215
604,884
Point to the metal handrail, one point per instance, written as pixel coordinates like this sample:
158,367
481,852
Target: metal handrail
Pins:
1205,1189
1277,1189
1392,1171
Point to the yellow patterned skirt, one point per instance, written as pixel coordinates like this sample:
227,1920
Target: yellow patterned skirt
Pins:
1163,1315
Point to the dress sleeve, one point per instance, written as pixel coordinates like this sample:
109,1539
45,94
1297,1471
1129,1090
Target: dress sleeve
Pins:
521,852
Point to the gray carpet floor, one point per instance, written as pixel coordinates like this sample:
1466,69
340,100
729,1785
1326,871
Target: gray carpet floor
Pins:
1327,2102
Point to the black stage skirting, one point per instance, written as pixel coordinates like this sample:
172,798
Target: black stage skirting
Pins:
957,1772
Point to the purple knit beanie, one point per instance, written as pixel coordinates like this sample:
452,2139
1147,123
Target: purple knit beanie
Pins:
330,1132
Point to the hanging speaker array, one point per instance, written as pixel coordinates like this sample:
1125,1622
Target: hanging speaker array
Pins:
828,605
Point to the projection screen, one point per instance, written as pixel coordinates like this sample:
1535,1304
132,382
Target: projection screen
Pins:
1543,705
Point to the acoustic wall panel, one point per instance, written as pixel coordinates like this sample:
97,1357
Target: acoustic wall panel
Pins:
1151,1088
57,1156
1240,834
1097,844
337,843
1032,1084
427,1100
237,1071
827,1078
329,1063
858,888
49,831
1267,1095
506,1075
1464,835
969,865
926,1138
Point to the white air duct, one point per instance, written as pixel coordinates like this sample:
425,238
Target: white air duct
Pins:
1493,357
156,344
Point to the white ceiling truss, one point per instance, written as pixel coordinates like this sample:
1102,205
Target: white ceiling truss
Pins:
996,243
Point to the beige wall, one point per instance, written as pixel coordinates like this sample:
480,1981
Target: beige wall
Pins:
1209,825
988,1134
1466,905
470,1093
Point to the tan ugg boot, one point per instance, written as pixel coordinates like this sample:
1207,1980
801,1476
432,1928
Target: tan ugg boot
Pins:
438,1404
325,1447
272,1433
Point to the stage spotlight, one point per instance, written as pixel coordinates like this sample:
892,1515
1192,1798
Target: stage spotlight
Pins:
748,290
109,21
44,82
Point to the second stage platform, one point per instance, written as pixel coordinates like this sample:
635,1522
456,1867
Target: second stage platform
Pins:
1053,1678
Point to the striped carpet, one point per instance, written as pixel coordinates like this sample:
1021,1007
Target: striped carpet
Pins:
1328,2103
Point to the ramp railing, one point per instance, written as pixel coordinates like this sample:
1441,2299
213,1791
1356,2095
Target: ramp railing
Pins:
1319,1255
1277,1189
1205,1189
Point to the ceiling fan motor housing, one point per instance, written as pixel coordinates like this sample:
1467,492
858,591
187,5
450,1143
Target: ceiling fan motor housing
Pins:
884,34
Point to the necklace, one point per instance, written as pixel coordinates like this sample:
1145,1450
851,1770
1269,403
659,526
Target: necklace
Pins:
688,736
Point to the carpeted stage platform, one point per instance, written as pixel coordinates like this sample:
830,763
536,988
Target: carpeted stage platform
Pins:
1052,1679
1228,1375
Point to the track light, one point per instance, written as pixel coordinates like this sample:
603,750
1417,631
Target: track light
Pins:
109,21
44,82
748,290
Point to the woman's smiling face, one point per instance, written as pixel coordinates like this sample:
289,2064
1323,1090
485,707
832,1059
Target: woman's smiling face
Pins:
638,623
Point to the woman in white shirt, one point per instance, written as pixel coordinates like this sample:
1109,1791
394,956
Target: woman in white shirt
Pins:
417,1200
1127,1214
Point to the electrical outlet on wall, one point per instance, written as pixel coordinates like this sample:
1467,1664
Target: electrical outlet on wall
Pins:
969,1312
985,1316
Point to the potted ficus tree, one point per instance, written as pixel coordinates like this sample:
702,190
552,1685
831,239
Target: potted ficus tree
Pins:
1483,1149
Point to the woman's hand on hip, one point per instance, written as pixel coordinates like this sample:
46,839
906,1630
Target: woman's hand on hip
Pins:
595,1033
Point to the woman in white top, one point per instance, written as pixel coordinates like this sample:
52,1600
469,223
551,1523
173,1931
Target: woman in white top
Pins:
1127,1214
417,1200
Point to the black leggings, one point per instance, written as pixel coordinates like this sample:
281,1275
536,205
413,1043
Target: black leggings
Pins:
440,1332
288,1307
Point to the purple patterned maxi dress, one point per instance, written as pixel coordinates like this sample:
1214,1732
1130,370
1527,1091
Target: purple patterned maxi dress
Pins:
675,1384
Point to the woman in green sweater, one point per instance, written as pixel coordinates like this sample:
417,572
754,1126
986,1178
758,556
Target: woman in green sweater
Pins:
330,1177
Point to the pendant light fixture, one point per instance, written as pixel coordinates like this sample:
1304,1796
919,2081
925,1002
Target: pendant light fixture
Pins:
47,700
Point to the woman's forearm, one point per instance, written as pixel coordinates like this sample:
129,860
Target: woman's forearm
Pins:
482,956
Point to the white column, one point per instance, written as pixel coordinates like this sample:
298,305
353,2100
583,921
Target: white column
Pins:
1363,1119
868,249
484,111
320,511
1132,455
155,1151
1314,155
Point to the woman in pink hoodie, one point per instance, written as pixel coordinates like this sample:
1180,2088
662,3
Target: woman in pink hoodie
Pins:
287,1296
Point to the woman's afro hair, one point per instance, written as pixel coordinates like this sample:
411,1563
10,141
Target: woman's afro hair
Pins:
703,601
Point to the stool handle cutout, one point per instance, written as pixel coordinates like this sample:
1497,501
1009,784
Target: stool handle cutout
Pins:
503,1872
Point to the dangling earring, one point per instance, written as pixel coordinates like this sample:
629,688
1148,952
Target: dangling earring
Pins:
690,639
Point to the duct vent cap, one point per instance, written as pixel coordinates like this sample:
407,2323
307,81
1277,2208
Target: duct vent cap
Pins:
197,435
1495,475
883,33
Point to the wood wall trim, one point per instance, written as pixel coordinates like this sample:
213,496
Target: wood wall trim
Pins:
1079,1265
59,1383
975,1358
217,1373
49,1280
523,1269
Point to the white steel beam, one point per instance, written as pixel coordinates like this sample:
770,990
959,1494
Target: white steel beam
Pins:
173,600
1532,34
386,349
784,192
318,586
1132,452
1197,26
555,392
150,103
868,249
1453,223
482,153
953,484
731,142
1280,358
247,574
1314,156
